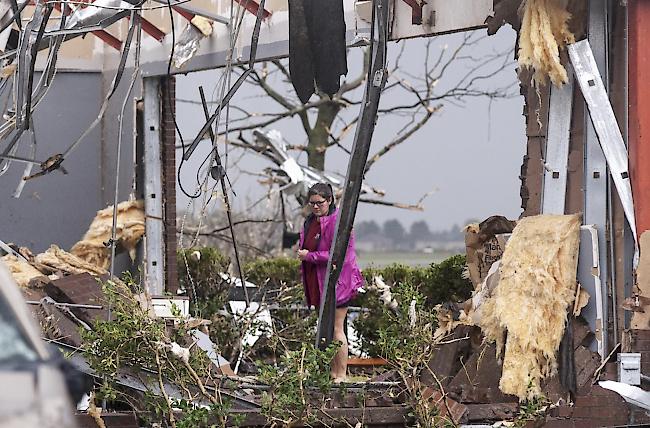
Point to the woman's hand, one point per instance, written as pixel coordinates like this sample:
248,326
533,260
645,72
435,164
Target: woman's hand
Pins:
302,254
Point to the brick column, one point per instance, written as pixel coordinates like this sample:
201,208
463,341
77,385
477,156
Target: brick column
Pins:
168,135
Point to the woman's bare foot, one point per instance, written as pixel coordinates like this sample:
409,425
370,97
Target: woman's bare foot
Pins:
338,380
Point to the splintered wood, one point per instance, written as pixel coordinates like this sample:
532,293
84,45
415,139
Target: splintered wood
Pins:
130,228
536,287
544,31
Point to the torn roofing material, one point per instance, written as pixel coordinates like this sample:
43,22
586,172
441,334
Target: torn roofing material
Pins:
317,51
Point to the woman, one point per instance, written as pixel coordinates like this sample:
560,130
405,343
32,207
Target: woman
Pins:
315,242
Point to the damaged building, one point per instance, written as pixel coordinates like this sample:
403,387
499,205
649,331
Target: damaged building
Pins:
560,295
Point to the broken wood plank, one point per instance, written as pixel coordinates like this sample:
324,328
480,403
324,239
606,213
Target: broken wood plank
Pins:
366,362
492,412
447,407
81,289
478,379
111,420
586,364
397,416
445,362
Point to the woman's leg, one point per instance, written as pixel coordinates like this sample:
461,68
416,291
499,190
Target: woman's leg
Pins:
340,361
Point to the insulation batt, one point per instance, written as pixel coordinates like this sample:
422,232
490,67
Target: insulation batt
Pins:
21,271
536,286
58,259
130,229
544,31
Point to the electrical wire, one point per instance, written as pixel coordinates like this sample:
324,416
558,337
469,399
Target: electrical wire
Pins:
135,21
223,81
233,36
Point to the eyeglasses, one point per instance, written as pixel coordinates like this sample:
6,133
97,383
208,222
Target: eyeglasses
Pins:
317,203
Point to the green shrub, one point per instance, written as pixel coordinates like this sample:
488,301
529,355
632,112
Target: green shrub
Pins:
274,273
299,380
200,277
280,279
209,292
437,283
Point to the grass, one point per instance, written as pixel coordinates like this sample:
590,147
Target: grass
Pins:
381,259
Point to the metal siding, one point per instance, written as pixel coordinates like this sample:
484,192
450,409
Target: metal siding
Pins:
57,208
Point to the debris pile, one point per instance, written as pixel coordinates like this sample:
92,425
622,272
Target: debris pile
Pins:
523,294
22,272
529,306
90,255
33,270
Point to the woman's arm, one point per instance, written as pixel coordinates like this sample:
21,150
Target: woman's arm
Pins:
317,257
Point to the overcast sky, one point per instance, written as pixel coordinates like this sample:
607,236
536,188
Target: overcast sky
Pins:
471,154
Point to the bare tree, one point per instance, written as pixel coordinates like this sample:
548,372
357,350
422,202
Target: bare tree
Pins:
424,77
414,94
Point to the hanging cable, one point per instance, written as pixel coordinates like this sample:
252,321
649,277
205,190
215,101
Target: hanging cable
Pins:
135,21
233,36
225,198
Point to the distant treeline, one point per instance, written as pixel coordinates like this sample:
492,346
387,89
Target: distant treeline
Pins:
395,233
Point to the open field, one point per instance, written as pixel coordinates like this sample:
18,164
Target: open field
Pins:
408,258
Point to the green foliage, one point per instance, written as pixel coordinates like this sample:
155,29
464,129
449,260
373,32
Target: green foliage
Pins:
301,378
200,276
133,341
274,273
407,343
116,343
199,273
280,279
531,410
436,283
204,417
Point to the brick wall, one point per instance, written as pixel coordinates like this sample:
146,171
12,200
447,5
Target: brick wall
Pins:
168,133
638,341
595,407
532,172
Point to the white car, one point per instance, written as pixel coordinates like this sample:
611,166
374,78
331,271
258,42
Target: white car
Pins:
33,391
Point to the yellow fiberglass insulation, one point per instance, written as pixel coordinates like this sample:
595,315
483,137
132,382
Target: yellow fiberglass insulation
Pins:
21,270
544,31
529,306
130,228
57,259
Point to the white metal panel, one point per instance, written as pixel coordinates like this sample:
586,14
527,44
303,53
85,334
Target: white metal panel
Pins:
153,208
557,148
440,16
604,121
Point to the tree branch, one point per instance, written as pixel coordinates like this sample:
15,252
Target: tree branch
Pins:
397,141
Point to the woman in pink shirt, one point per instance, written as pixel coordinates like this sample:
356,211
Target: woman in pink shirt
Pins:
315,242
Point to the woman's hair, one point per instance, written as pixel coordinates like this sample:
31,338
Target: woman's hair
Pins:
322,189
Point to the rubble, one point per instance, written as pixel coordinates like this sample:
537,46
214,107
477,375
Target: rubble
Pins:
485,243
640,301
529,306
